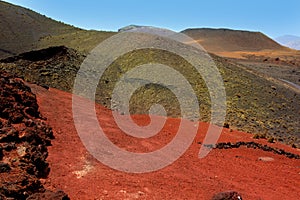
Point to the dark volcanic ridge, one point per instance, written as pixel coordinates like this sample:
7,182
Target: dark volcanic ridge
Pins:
39,55
52,67
24,137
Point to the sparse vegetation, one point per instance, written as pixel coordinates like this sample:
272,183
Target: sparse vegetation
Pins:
271,140
260,136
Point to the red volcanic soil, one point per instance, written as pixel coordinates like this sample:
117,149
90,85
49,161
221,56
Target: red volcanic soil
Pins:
81,176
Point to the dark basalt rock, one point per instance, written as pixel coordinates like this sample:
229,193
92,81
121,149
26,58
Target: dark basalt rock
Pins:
229,195
24,137
4,167
39,55
254,145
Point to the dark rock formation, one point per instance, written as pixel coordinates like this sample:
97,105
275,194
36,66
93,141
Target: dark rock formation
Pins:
253,145
24,137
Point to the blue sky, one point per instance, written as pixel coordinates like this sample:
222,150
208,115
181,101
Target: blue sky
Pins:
272,17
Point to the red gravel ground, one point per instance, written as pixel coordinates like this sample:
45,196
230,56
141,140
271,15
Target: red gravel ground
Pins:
81,176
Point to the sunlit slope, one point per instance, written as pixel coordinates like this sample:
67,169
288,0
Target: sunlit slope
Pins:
24,30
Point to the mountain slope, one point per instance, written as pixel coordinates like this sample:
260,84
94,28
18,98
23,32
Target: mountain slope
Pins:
24,30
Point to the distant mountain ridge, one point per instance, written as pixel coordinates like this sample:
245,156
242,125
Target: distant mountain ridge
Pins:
289,41
131,27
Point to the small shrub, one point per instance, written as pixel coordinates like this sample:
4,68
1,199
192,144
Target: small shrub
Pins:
271,140
226,125
259,136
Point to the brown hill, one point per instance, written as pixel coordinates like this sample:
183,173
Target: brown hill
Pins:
24,30
219,40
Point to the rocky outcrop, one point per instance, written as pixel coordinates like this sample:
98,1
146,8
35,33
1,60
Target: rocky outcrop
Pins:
24,137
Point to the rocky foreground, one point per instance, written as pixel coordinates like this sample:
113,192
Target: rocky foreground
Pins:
24,138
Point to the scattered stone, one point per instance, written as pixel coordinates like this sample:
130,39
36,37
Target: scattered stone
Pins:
21,151
4,167
45,86
229,195
266,159
226,125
